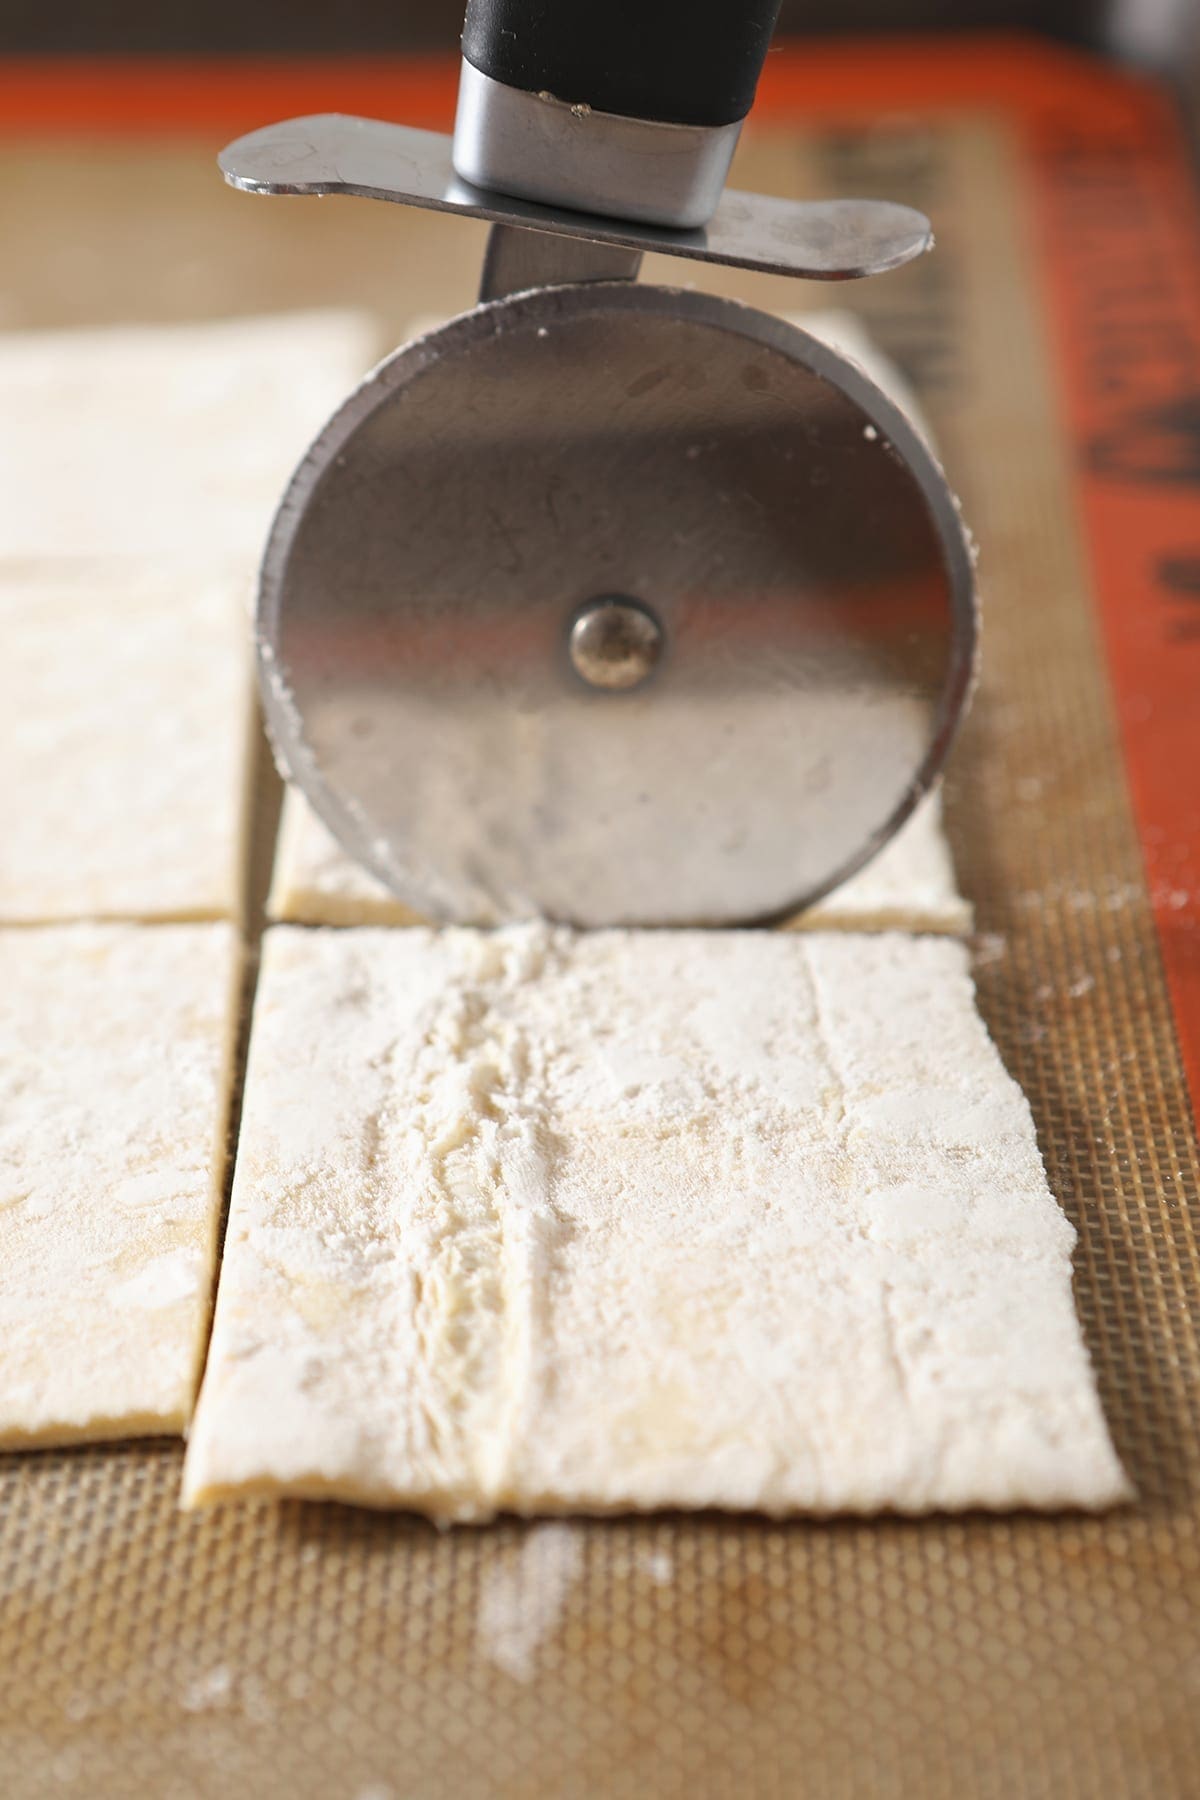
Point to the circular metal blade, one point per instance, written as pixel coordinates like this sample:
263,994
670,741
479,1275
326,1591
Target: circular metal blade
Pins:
779,520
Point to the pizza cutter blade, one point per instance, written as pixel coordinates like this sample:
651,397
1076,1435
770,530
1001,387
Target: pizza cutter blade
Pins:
615,604
608,603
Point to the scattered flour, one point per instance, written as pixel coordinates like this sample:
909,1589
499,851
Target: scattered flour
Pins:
209,1691
522,1601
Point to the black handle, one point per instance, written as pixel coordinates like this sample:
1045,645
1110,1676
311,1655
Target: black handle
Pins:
685,62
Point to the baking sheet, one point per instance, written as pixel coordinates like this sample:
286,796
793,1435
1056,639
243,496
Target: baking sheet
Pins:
315,1650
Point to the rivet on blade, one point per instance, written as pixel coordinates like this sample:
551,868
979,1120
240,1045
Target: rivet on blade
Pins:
615,643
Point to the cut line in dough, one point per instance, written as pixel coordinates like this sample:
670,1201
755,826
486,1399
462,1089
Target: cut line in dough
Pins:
116,1049
549,1222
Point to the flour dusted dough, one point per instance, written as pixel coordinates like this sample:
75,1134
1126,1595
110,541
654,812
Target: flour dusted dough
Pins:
149,439
115,1053
125,718
315,882
626,1220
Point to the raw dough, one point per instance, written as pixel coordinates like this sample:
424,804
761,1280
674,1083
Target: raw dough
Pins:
315,882
151,439
623,1220
125,716
115,1055
909,886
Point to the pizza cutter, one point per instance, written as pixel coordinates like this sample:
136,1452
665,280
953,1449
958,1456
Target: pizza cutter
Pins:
607,602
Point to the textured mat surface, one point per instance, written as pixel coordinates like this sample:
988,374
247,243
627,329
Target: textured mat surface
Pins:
317,1651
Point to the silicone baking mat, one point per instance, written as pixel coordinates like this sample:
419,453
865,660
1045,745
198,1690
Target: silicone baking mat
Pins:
304,1650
